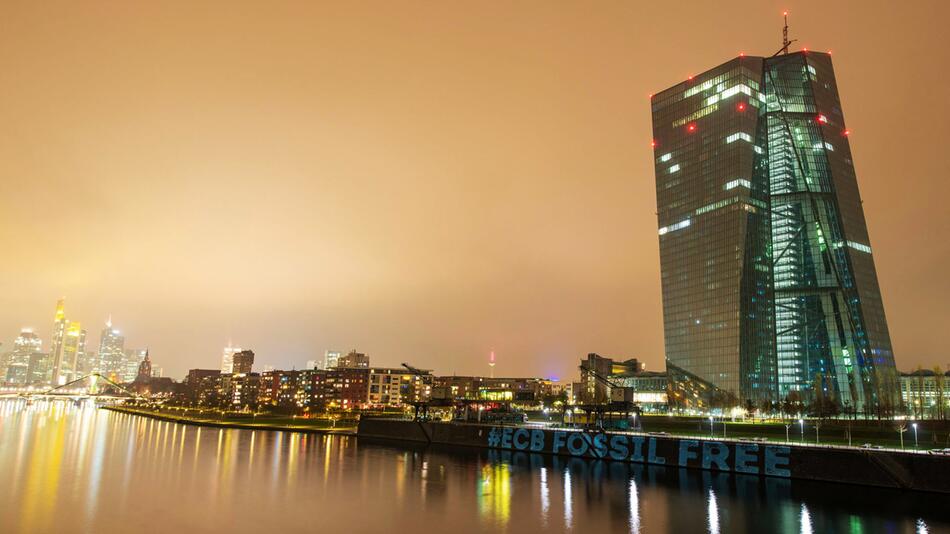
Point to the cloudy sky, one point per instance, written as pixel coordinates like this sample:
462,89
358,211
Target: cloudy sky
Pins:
425,182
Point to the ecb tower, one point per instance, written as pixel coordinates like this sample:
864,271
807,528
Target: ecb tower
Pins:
769,286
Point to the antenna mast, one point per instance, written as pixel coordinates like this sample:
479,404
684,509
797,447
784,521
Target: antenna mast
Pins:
785,41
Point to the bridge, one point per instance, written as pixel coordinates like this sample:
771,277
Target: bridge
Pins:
70,391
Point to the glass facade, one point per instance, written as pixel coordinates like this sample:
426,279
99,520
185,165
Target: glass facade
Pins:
769,288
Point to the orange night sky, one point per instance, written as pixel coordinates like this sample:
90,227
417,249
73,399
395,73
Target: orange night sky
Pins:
424,182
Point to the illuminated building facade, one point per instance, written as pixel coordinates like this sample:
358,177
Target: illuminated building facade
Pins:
769,286
74,352
26,345
243,362
112,352
130,368
56,343
354,360
330,359
227,359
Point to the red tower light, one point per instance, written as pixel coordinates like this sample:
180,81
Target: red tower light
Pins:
822,119
653,143
691,127
740,106
846,133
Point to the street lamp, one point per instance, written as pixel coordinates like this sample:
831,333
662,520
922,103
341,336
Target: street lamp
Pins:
802,423
916,444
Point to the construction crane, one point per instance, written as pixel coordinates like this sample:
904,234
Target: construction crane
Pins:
620,399
421,406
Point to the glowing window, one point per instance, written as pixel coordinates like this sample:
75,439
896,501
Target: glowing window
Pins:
738,183
674,227
737,136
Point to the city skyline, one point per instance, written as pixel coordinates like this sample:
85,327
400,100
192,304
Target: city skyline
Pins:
428,213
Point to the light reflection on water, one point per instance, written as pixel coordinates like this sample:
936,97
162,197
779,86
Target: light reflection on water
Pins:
78,469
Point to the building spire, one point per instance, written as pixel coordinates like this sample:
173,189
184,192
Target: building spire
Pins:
109,322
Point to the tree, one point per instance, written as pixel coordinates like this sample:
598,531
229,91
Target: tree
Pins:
939,379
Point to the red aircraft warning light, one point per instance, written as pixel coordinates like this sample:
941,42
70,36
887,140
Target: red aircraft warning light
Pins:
691,127
741,106
822,119
846,133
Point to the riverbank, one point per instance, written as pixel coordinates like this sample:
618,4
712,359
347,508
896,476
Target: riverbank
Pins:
276,423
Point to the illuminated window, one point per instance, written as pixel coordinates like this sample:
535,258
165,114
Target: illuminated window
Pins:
674,168
858,246
674,227
738,183
666,157
737,136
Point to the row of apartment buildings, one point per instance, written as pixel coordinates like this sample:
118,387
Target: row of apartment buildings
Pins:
346,388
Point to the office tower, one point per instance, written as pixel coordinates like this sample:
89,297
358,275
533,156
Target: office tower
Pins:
243,361
330,359
353,359
111,352
227,359
38,369
24,347
74,347
56,343
769,287
133,359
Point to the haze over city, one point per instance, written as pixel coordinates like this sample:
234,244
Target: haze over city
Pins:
421,182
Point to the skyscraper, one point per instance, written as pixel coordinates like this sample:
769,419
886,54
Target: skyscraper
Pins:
56,342
24,347
74,349
227,359
133,359
769,287
111,352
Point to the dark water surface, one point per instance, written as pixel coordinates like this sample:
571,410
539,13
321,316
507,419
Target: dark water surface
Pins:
65,468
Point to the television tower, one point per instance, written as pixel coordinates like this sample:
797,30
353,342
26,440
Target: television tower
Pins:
491,364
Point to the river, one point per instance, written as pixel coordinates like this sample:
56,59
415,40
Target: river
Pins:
69,468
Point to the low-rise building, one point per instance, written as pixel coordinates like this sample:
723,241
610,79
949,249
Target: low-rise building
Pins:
926,393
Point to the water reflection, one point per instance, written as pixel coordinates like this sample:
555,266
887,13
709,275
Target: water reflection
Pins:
79,469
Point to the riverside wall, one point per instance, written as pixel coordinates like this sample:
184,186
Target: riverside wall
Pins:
880,468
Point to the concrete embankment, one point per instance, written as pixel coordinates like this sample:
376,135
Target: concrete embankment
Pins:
881,468
230,424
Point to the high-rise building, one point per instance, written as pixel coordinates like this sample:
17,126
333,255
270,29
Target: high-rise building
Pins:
769,287
56,343
227,359
133,361
74,349
38,369
354,360
112,352
25,345
243,362
330,359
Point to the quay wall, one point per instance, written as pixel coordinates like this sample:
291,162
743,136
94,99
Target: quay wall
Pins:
881,468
